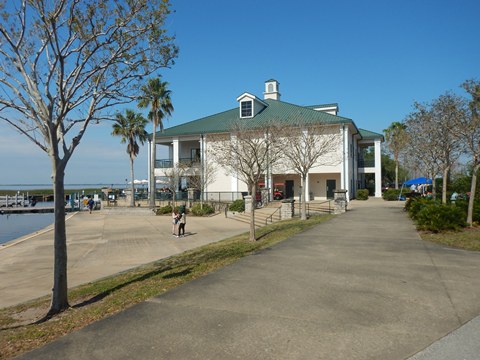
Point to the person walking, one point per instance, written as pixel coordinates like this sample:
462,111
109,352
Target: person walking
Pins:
182,222
90,204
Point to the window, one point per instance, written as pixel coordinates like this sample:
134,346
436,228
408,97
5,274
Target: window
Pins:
270,88
246,107
195,155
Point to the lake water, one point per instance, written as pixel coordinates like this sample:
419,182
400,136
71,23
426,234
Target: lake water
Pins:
13,226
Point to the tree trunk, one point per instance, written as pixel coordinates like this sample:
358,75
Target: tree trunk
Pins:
303,215
253,191
444,185
471,200
60,289
396,174
434,185
132,175
152,166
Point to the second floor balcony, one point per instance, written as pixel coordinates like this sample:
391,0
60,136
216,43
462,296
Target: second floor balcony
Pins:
364,163
169,163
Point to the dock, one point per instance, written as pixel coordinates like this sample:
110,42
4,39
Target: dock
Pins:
17,200
29,210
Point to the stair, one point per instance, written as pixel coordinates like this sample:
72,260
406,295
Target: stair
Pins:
263,216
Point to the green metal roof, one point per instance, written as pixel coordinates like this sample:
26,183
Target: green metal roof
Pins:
282,112
367,135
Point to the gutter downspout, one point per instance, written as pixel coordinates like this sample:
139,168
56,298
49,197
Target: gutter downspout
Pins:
354,165
344,159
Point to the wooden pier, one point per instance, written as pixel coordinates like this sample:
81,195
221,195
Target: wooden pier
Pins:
28,210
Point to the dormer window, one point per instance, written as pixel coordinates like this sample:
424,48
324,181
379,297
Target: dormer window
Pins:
249,105
246,108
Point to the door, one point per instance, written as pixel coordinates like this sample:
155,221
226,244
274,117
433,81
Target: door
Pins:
331,185
288,189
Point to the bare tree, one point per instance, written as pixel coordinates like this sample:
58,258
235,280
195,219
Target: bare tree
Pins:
65,63
423,145
173,175
467,129
430,139
306,146
447,109
246,153
200,175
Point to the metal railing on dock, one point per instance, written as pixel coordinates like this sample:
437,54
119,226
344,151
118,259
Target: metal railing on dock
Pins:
17,200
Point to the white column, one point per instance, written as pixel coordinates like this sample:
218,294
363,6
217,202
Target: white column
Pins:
175,152
378,169
345,178
149,149
202,162
233,177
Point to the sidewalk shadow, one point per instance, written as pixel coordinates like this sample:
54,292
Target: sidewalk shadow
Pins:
110,291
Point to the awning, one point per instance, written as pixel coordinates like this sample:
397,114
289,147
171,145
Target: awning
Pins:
418,181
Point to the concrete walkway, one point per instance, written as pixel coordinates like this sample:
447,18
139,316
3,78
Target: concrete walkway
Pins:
362,286
100,244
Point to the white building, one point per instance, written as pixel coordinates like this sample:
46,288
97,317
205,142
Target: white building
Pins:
188,144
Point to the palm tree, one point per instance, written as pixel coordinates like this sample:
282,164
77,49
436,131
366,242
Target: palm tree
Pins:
131,128
156,96
396,137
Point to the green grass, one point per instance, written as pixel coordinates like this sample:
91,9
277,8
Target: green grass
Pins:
22,328
467,239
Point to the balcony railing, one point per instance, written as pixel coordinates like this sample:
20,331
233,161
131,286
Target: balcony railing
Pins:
168,163
366,163
163,163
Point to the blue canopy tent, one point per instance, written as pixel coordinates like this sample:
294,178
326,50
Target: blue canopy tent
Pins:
418,181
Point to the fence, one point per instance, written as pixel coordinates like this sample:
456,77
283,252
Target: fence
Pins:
15,200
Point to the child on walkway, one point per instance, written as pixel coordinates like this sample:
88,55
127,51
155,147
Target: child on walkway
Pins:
175,218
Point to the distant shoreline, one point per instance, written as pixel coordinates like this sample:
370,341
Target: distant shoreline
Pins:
23,188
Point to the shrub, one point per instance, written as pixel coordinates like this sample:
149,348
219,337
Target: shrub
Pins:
463,204
391,194
440,217
207,209
164,210
362,194
237,205
415,204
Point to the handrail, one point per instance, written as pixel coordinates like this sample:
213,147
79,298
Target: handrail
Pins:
271,216
316,206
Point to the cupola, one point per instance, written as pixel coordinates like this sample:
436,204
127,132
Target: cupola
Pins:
271,90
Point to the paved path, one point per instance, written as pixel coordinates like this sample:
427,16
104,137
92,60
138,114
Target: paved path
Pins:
100,244
362,286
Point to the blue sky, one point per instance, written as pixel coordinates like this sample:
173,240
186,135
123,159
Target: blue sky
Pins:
372,57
